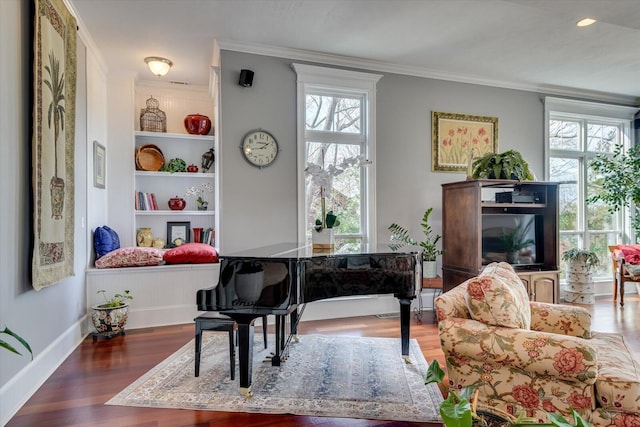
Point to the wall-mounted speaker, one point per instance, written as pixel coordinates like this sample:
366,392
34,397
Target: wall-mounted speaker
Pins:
246,78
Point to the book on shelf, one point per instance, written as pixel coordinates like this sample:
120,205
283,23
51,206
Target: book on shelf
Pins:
208,236
146,201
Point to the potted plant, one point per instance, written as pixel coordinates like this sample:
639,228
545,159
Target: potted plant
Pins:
197,192
580,286
11,348
400,237
202,204
507,165
321,176
459,408
110,317
616,182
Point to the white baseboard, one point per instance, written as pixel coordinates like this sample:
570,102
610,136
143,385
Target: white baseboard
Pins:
23,385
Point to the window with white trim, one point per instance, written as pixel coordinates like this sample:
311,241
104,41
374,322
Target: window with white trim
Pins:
336,136
576,133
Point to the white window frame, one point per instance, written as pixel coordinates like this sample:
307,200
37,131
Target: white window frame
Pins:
314,79
594,112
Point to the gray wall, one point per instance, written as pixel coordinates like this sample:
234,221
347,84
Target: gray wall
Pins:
259,206
42,316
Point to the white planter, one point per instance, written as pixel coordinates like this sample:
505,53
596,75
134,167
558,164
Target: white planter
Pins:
322,239
429,269
579,277
580,288
580,298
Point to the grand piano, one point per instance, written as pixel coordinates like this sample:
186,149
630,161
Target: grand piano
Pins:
280,279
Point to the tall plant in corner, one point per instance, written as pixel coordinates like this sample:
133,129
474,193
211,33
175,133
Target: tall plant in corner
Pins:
617,182
400,237
56,112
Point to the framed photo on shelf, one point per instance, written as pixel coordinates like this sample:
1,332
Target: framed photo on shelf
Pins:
99,165
178,233
457,139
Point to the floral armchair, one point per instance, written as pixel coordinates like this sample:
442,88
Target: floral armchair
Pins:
535,358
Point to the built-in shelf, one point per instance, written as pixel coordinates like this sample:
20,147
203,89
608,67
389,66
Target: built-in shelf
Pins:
177,213
185,136
190,175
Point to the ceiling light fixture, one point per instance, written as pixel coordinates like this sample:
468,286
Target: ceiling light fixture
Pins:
585,22
158,66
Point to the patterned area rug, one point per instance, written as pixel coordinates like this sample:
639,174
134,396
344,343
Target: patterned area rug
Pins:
352,377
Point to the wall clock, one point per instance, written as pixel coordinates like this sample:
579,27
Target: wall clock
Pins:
259,148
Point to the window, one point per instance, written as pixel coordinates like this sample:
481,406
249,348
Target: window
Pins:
335,135
577,132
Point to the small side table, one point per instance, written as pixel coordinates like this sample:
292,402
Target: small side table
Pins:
434,283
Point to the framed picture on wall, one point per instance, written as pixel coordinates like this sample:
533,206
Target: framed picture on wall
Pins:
459,138
99,165
178,233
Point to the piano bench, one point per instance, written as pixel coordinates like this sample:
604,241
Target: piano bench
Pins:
213,321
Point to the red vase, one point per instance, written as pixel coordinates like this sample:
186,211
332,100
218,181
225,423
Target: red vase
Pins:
192,168
197,124
177,203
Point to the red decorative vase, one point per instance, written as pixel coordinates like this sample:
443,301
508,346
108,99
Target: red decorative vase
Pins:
192,168
177,203
197,124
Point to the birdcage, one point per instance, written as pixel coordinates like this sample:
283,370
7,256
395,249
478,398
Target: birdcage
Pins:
152,118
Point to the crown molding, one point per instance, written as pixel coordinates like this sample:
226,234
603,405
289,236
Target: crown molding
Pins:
386,67
85,36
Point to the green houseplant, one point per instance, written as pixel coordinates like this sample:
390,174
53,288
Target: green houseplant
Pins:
507,165
110,317
459,407
430,252
616,182
584,257
18,338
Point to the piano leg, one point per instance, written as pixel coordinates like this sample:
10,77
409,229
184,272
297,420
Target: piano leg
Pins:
405,324
294,324
245,354
280,334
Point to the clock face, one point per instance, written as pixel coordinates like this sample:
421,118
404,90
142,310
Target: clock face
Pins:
260,148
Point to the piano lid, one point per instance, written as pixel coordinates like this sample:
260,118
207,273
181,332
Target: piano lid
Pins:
296,251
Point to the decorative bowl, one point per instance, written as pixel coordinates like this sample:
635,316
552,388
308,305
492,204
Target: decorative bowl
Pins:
197,124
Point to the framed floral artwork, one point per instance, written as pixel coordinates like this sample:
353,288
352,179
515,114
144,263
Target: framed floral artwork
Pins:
459,138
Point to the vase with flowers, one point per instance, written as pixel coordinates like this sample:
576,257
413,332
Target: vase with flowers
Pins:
197,192
322,176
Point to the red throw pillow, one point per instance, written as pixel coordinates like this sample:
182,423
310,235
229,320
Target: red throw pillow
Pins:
631,253
191,253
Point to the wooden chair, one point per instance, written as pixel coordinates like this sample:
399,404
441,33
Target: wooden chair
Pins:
621,274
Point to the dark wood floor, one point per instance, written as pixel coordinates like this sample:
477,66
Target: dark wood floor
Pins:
75,394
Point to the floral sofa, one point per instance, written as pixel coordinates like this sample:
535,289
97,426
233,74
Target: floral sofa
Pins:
535,358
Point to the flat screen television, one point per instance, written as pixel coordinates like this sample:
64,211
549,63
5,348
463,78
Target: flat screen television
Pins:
513,238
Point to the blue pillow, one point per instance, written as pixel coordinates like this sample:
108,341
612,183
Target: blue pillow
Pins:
105,240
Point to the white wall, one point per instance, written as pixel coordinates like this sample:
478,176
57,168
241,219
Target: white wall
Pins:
258,205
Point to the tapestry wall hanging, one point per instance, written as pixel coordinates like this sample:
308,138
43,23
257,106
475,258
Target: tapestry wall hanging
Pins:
54,73
459,138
